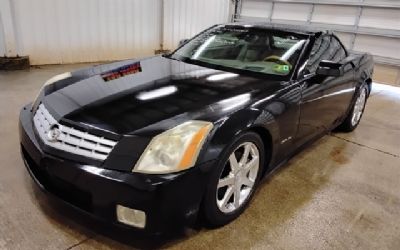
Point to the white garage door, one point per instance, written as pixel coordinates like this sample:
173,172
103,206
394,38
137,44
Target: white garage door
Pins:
372,26
185,18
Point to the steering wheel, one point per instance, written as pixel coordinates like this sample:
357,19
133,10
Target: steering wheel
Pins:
277,60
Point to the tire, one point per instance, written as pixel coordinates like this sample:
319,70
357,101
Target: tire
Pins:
220,205
354,117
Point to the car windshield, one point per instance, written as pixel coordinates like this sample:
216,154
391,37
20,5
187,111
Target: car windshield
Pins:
251,49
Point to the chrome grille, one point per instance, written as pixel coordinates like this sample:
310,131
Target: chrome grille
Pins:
69,139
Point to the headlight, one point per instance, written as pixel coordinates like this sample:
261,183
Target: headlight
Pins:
53,80
57,78
175,149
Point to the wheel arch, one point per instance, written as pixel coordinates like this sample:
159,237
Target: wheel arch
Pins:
368,81
267,140
257,121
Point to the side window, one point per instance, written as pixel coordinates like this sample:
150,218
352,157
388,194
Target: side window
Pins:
326,47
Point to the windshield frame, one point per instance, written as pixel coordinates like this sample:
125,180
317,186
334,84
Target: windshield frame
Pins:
273,31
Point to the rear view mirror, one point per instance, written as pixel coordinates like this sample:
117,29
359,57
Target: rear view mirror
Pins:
328,68
182,42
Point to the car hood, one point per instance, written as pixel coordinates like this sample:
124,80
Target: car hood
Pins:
151,94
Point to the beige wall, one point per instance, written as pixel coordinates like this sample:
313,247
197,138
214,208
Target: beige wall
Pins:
387,74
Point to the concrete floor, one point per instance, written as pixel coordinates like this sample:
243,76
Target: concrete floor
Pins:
341,193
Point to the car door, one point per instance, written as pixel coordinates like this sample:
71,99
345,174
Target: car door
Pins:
324,99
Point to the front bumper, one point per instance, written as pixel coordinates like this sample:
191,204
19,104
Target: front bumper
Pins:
168,200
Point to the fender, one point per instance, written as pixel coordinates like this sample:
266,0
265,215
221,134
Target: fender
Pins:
228,128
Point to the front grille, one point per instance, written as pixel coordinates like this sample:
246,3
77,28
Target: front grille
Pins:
69,139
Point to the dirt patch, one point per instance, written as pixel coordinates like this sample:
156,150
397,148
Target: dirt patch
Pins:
338,156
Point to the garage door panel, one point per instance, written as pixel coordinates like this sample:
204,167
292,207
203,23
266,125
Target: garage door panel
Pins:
376,18
185,18
347,1
381,46
296,12
256,8
370,25
335,14
346,38
383,2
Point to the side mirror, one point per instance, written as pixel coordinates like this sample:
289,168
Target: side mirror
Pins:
328,68
182,42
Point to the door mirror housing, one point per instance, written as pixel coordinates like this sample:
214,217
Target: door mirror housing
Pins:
182,42
329,68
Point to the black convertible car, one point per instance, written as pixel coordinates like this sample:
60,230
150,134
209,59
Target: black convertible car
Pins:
154,142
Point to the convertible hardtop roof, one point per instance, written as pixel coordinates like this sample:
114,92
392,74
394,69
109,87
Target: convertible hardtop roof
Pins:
298,29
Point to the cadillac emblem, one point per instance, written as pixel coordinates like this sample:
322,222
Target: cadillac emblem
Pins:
54,133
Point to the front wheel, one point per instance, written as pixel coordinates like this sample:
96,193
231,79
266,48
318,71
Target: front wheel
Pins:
353,118
234,180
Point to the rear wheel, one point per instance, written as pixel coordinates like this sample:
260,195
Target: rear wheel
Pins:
354,117
235,179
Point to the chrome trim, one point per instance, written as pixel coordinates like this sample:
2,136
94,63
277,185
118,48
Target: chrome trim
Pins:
69,139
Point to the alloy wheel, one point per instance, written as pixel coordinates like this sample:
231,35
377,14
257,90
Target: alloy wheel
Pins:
238,177
359,107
